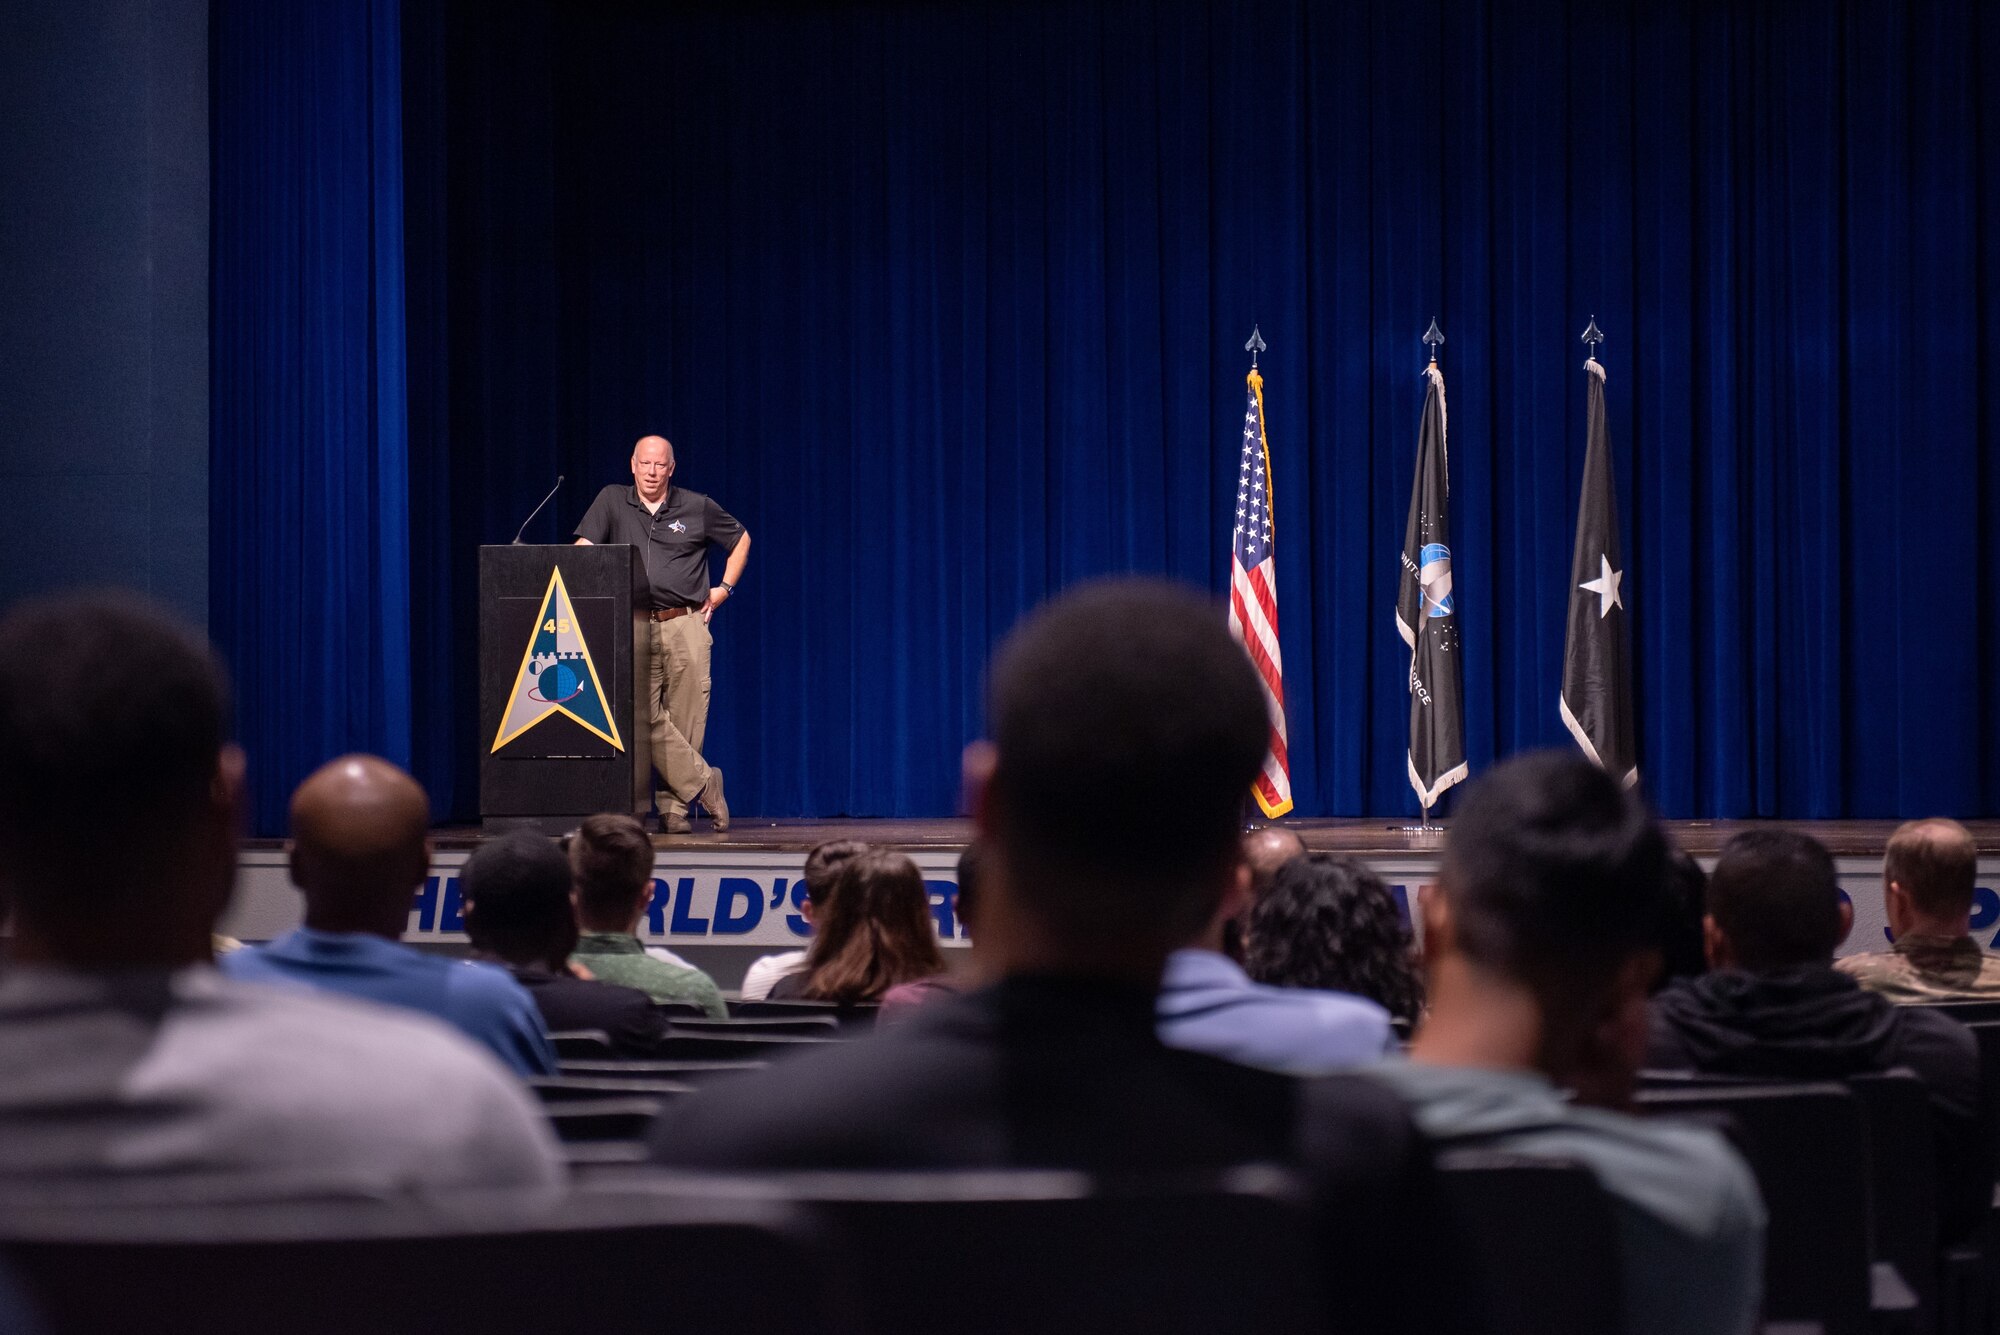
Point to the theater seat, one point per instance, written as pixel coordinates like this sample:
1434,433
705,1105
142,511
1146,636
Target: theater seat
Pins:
570,1043
1054,1253
1807,1145
628,1118
634,1264
569,1088
678,1046
1541,1242
799,1026
687,1072
857,1017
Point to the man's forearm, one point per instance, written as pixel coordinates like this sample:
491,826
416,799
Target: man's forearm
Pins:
739,556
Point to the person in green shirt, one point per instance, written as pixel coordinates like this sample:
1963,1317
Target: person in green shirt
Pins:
611,860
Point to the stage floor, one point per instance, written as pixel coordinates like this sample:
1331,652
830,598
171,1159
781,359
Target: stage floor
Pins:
1365,836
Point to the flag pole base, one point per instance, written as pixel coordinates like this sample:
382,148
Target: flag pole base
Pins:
1423,825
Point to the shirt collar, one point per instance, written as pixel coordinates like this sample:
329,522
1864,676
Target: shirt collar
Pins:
1203,968
609,943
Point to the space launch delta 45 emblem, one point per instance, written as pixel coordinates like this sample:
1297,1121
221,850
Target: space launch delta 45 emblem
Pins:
556,676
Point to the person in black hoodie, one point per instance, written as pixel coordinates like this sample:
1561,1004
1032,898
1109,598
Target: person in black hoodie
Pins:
1774,1006
518,913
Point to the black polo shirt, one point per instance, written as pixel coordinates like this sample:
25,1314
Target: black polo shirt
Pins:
673,543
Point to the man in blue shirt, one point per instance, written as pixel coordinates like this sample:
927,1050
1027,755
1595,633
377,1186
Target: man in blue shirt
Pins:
1208,1004
360,849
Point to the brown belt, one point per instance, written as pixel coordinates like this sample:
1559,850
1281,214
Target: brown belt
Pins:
667,613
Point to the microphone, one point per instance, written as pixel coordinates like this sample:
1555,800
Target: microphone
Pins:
537,510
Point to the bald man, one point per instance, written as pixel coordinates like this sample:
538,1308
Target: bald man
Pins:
1263,851
360,849
674,530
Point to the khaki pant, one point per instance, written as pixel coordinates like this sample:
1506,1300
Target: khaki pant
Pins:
677,691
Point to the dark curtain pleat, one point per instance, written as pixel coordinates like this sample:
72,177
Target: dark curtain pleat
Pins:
946,301
310,519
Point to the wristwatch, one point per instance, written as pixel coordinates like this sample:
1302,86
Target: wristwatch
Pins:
725,586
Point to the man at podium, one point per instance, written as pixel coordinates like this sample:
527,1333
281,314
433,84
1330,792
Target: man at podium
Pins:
674,529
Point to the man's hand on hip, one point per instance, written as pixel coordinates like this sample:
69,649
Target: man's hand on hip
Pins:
716,598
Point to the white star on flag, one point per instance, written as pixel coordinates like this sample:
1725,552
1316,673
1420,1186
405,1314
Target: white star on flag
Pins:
1605,586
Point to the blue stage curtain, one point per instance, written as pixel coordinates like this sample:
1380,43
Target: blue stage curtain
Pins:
946,301
309,477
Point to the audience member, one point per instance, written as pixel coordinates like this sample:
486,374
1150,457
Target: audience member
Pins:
131,1070
1539,946
1776,1006
902,1000
611,859
876,932
1328,922
1265,849
360,850
1208,1004
1927,884
518,913
1683,943
822,865
1127,727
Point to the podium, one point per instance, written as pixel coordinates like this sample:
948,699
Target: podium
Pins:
563,727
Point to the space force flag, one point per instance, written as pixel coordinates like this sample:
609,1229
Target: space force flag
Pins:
1596,699
1427,616
1253,595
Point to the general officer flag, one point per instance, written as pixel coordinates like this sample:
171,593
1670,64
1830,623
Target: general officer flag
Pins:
1596,699
1427,616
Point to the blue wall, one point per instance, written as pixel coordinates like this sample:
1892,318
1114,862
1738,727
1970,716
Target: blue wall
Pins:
104,298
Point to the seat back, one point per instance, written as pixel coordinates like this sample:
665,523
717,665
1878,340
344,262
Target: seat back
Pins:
676,1264
693,1072
626,1118
573,1088
1903,1165
801,1026
1059,1253
1966,1012
849,1017
1540,1242
1807,1145
733,1047
587,1043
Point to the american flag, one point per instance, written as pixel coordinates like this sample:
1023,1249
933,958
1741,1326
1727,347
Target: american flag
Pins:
1253,596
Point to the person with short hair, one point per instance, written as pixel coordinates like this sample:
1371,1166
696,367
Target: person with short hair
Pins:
360,848
1328,923
611,859
1540,940
822,865
1209,1004
1265,849
674,530
1928,871
519,914
876,933
1127,727
1774,1005
131,1071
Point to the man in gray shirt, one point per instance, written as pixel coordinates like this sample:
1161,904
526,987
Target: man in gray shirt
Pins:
1539,944
130,1070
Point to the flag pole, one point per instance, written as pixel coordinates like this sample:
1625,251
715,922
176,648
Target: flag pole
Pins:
1433,340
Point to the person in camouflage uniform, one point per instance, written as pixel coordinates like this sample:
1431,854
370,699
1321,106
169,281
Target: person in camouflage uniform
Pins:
1927,876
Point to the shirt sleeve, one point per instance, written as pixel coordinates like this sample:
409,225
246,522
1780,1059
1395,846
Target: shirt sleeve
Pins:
595,526
721,527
